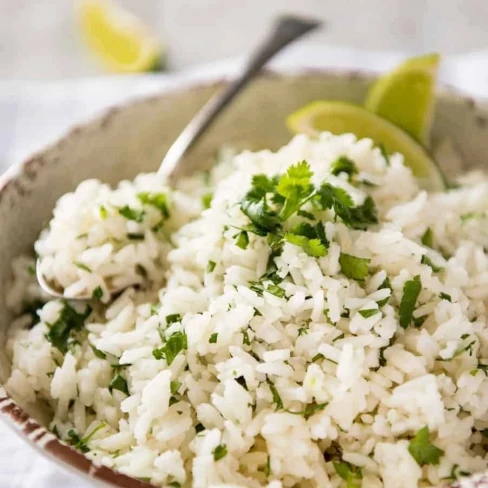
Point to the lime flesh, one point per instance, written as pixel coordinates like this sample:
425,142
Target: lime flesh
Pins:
406,96
342,117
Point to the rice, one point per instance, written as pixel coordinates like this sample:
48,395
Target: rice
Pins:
352,349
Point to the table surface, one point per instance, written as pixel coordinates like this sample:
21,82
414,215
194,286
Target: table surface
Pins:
39,39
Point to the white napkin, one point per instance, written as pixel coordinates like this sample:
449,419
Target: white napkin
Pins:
33,114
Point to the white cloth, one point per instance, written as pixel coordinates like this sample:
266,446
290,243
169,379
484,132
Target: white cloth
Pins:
33,114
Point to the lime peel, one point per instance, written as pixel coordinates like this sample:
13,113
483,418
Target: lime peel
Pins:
340,117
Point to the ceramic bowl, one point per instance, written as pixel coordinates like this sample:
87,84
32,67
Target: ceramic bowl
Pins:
131,139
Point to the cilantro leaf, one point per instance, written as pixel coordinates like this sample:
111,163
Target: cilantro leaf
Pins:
445,296
220,452
207,200
422,450
343,165
386,284
213,338
210,266
428,238
69,320
411,291
350,474
306,215
276,396
103,212
97,293
173,318
82,444
309,411
296,187
174,387
82,266
157,200
242,240
176,343
276,291
368,313
310,238
426,260
384,153
99,354
255,205
353,267
119,383
132,213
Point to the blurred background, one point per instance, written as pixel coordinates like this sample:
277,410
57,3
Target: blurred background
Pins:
39,39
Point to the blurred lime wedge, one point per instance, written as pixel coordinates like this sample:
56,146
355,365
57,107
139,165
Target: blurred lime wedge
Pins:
121,41
406,96
342,117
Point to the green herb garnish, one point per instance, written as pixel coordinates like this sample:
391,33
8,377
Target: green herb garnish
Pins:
343,165
422,450
353,267
213,338
157,200
411,291
97,293
368,313
132,213
428,238
119,383
220,452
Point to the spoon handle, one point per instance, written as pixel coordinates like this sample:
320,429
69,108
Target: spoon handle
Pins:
286,30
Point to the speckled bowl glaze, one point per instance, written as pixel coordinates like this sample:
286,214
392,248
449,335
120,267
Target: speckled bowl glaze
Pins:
132,139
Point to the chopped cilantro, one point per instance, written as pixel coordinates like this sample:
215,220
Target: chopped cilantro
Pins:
245,338
157,200
318,357
173,318
368,313
213,338
267,468
69,320
82,266
220,452
176,343
422,450
242,239
155,308
428,238
97,293
199,428
82,443
349,473
343,165
210,266
276,396
119,383
99,354
276,291
309,411
174,387
445,296
306,215
353,267
135,237
132,213
426,260
207,200
310,238
386,284
103,212
411,291
174,484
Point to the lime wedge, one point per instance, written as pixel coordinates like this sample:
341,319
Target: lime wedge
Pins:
121,41
342,117
406,96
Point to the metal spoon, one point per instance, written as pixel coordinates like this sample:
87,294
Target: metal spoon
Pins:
287,29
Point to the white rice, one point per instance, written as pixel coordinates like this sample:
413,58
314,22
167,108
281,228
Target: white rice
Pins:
368,385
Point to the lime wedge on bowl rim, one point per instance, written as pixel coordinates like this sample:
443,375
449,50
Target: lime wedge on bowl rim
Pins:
119,39
406,96
340,117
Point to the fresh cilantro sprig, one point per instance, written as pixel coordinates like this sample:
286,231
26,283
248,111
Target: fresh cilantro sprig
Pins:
343,165
176,343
